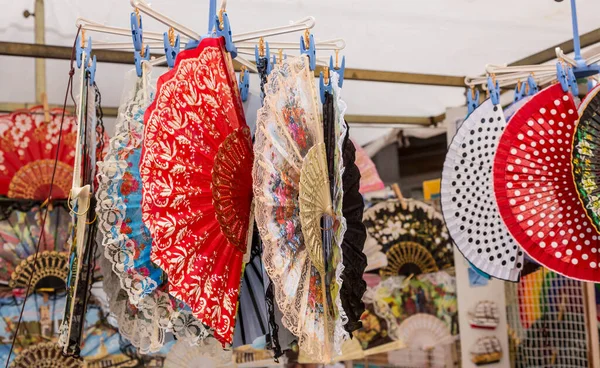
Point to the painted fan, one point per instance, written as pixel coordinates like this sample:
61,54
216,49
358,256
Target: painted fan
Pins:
536,195
354,260
28,149
209,355
586,166
369,177
412,235
301,254
425,332
197,183
468,204
20,232
134,285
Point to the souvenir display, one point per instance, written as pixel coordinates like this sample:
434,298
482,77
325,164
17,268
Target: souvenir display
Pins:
585,163
198,222
536,195
292,194
412,235
468,204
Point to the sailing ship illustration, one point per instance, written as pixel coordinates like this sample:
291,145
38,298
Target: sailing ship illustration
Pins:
487,350
485,315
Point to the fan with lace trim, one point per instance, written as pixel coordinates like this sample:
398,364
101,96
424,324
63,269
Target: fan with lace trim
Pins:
468,204
535,191
412,234
197,183
209,355
135,287
28,148
301,225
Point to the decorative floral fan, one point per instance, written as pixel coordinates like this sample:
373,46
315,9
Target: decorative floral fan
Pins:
536,195
28,149
369,177
197,183
292,197
468,204
396,223
20,232
209,355
134,285
586,165
424,331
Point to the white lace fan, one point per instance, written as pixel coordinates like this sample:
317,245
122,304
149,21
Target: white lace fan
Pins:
292,196
424,331
209,355
468,200
375,257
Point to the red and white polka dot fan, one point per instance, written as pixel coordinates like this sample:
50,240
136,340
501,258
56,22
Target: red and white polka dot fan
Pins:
535,191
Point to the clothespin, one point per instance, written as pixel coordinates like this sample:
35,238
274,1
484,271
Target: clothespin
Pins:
493,89
224,30
472,99
137,32
338,70
91,69
171,46
572,81
244,83
532,86
262,51
307,47
138,57
81,46
520,89
325,84
561,76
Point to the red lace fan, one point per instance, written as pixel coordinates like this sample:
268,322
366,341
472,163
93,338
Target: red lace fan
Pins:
196,170
28,148
534,187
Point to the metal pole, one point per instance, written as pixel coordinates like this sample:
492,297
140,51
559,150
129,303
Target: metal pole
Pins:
40,39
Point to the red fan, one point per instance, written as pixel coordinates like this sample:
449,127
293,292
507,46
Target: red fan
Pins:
196,170
28,148
534,187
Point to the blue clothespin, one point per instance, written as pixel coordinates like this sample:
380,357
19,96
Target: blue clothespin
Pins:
325,87
310,51
519,91
138,58
494,90
224,30
137,33
339,71
572,81
562,77
533,87
79,50
472,100
262,44
244,83
171,51
91,68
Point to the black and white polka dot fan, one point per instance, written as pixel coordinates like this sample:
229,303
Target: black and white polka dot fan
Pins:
468,201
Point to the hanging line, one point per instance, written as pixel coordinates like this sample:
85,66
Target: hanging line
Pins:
62,120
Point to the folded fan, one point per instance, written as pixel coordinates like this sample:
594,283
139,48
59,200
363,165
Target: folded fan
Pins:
535,191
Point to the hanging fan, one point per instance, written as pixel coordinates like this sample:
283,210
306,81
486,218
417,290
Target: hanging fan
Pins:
20,233
209,355
514,107
354,260
536,195
292,196
369,177
196,172
468,205
28,149
407,258
397,222
425,332
375,257
586,166
44,354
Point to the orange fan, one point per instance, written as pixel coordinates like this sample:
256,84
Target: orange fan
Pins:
196,170
28,149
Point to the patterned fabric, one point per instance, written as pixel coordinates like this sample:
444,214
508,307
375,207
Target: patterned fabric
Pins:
197,186
292,193
135,287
